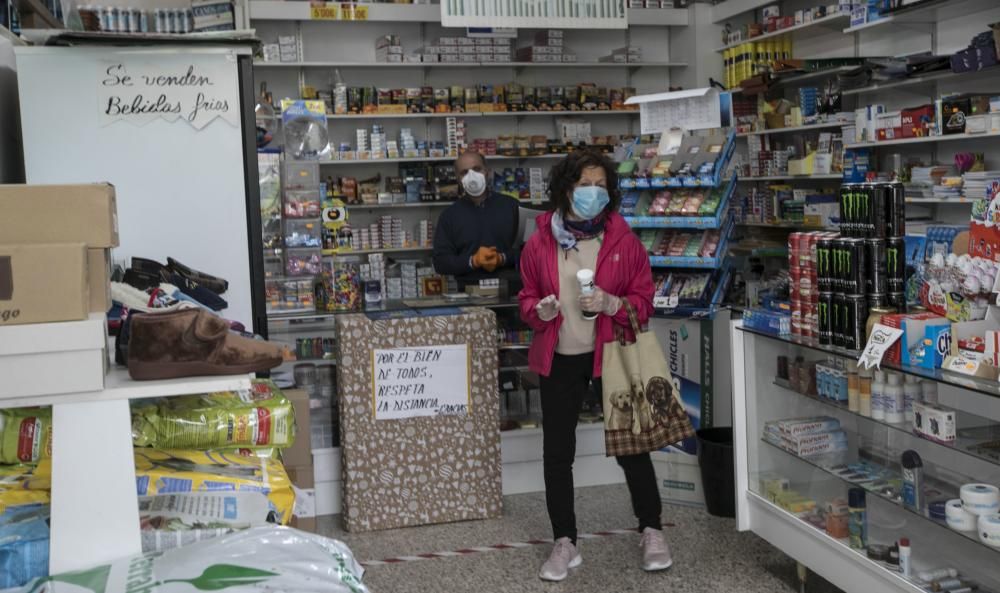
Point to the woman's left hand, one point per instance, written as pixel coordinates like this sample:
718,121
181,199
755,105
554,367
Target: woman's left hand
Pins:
600,302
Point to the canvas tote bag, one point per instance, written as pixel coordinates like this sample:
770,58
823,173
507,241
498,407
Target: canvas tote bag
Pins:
642,410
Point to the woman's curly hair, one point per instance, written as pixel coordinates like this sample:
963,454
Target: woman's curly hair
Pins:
566,173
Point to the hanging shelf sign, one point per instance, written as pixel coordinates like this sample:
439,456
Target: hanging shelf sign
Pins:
139,91
535,14
695,109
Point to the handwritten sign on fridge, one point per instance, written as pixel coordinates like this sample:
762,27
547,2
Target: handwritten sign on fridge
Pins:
420,381
140,91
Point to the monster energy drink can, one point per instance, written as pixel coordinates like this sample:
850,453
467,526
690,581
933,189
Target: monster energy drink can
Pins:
823,317
898,300
876,280
896,263
854,319
836,325
875,211
824,263
853,265
847,210
877,300
895,210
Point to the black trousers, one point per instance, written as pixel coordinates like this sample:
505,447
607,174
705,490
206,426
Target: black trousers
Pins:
563,392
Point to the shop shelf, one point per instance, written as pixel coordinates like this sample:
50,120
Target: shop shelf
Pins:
927,13
926,79
984,386
473,115
119,386
442,204
924,140
397,65
820,177
824,462
794,129
797,226
390,251
727,10
431,159
686,222
833,21
962,445
277,10
940,201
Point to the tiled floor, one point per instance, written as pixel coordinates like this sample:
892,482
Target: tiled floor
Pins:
709,555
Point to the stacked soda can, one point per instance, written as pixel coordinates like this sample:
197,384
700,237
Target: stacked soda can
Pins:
803,266
864,266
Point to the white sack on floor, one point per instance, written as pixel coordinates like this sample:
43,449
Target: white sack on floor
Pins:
267,558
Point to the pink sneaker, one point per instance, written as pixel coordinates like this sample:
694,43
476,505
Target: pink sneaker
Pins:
564,556
655,552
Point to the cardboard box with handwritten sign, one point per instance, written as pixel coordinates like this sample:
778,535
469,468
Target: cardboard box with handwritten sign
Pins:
419,414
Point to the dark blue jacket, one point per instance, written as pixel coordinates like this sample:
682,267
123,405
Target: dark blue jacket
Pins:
464,227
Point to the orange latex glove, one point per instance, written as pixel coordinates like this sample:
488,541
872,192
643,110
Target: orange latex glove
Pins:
484,257
492,260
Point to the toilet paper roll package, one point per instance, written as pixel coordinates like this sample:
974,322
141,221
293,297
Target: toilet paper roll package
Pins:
268,558
261,417
176,471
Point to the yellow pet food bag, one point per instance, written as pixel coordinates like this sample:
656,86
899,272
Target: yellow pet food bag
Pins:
25,435
160,471
222,420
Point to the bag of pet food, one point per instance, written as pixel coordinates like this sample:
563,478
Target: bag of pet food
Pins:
160,471
268,558
24,544
25,435
259,418
26,477
173,520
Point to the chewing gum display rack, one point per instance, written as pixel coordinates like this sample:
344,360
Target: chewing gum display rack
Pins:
714,179
703,263
707,309
684,222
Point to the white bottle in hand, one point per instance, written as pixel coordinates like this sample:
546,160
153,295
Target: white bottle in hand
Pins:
586,279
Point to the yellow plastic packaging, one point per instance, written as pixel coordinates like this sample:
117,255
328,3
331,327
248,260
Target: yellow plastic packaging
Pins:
25,477
169,471
222,420
25,435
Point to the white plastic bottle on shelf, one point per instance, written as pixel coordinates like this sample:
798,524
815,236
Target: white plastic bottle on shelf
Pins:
878,396
911,394
893,399
929,391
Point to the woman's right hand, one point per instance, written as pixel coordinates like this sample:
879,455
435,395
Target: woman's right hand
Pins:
547,308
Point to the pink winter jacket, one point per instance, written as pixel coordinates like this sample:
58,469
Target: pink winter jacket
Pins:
622,270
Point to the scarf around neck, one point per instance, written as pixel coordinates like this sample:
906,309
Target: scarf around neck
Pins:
569,232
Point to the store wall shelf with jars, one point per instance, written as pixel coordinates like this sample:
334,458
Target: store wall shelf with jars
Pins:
881,479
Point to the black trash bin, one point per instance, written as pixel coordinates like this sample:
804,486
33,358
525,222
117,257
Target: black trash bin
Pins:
718,480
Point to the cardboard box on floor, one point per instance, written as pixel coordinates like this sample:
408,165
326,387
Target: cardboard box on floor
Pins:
43,283
298,463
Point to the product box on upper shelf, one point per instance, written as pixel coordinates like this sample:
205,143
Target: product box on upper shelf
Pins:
43,282
84,213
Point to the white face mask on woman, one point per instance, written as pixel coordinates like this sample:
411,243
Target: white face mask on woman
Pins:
474,183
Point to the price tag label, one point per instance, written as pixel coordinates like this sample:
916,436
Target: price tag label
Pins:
321,12
882,338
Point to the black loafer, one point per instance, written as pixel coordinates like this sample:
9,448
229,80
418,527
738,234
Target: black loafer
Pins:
213,283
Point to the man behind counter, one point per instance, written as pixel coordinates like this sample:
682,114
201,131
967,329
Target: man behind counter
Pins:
476,237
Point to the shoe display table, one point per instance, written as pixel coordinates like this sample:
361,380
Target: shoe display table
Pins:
95,515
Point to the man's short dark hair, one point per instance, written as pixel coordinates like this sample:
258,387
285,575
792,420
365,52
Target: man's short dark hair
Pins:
482,157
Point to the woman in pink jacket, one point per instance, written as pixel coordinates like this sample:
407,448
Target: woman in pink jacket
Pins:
584,231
